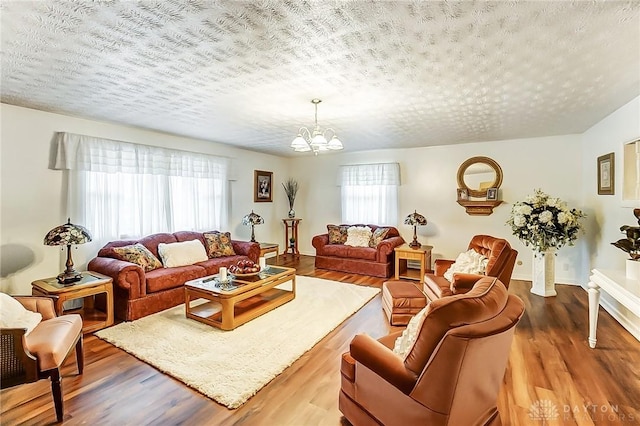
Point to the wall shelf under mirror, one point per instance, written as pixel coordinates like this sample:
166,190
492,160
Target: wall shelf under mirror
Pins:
479,208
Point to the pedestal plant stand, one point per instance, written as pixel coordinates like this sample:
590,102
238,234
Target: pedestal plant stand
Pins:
544,273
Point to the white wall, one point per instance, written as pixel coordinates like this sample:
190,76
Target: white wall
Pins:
607,212
33,196
553,164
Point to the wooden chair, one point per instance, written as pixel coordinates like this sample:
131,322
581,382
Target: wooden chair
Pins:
41,353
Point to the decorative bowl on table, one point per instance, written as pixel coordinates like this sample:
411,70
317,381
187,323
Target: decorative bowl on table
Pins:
244,268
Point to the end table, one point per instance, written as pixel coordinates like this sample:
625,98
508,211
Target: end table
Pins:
405,253
91,284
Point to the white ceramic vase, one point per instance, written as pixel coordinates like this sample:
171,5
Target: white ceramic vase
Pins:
544,273
633,269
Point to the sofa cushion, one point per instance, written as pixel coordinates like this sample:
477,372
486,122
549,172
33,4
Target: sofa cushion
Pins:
138,254
339,250
168,278
151,241
377,236
358,236
337,234
219,244
181,254
14,315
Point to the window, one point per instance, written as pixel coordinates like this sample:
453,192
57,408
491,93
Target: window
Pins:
123,190
370,193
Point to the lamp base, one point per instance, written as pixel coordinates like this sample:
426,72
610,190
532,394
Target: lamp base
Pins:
69,277
415,244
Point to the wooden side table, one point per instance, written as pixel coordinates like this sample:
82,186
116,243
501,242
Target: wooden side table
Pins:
291,225
405,253
91,284
270,248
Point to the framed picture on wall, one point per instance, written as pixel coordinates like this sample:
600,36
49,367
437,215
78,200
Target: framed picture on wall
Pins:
463,195
606,174
262,186
492,194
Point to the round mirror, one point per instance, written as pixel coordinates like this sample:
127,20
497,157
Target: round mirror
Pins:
478,174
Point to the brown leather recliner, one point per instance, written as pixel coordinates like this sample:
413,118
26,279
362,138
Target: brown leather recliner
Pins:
450,376
40,354
502,259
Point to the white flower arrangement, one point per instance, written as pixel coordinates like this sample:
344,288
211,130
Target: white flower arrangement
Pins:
543,222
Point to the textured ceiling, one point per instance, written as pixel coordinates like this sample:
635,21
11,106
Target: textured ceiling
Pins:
391,74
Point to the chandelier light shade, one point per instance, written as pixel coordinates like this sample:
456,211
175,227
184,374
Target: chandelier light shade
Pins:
316,140
415,219
67,235
252,219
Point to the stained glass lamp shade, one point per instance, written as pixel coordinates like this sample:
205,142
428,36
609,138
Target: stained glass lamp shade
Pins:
66,235
252,219
415,219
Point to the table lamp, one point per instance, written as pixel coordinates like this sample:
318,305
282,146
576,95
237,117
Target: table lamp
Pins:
252,219
66,235
415,219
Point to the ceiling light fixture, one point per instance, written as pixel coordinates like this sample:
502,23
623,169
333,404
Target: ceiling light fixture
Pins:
316,140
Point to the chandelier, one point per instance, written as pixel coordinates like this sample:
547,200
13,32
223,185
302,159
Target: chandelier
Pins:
316,140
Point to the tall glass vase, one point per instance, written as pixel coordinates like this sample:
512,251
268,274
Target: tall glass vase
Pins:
544,273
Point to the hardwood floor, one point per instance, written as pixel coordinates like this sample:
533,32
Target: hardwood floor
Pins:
550,361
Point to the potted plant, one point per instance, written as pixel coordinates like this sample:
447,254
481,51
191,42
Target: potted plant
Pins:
631,245
291,189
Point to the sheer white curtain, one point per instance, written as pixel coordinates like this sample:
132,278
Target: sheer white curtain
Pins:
370,193
122,190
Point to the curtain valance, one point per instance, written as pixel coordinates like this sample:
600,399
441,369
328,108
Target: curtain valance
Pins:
87,153
369,174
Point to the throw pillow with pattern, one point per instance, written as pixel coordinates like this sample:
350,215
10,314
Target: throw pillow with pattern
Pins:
378,235
337,234
219,244
138,254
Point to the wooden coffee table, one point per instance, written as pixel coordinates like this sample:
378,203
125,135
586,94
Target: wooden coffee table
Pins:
241,299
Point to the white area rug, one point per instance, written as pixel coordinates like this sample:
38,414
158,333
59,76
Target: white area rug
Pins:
231,366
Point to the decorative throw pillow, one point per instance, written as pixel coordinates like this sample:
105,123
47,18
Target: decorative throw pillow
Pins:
358,236
182,253
378,235
408,337
219,244
337,234
469,262
138,254
14,315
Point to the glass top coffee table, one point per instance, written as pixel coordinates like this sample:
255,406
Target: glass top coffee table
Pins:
240,299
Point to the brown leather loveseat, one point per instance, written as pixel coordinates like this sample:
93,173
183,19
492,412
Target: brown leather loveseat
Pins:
375,261
451,374
138,293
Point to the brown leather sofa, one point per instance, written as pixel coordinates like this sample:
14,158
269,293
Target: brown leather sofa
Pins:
450,376
502,259
138,293
377,262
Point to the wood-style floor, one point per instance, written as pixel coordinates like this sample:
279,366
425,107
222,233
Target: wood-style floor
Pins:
550,363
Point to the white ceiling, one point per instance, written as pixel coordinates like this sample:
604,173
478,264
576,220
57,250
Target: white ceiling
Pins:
391,74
